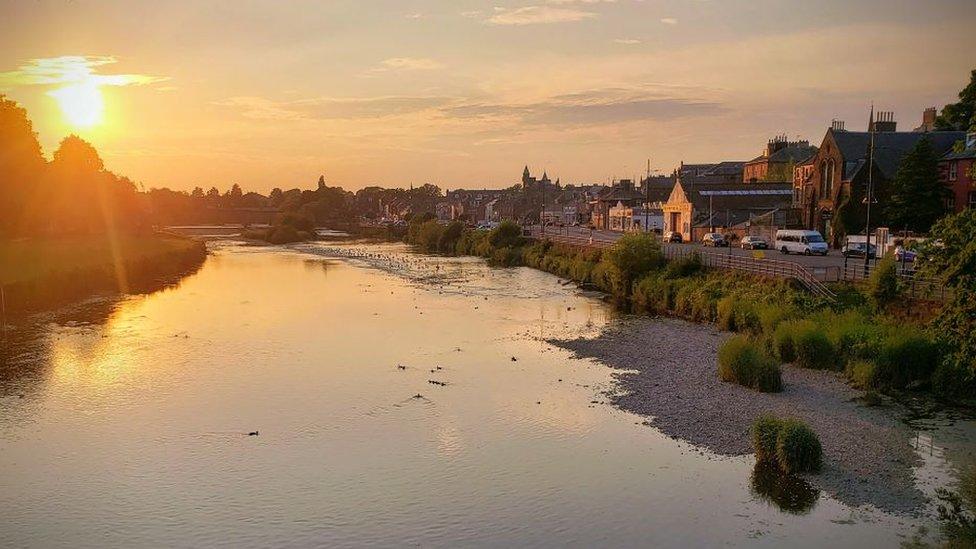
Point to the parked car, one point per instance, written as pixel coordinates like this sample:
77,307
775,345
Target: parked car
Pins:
753,243
672,236
800,242
908,256
713,239
856,249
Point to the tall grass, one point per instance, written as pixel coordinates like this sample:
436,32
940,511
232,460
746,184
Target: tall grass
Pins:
789,443
741,360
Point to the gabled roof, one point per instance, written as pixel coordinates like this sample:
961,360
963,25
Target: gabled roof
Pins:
798,153
961,155
889,147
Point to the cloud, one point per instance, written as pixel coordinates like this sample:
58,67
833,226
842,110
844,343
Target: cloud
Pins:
669,20
537,15
589,108
400,64
72,70
627,41
332,108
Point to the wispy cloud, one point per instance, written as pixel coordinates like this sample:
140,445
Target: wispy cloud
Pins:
626,41
72,70
333,108
400,64
538,15
669,20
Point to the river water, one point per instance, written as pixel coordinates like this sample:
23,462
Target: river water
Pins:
126,423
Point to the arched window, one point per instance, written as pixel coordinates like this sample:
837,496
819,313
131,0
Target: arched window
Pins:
827,176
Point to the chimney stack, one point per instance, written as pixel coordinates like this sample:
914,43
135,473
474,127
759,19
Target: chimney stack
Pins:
837,125
885,122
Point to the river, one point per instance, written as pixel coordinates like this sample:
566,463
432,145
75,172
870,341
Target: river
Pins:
128,423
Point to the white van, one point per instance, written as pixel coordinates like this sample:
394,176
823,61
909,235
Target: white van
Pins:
800,242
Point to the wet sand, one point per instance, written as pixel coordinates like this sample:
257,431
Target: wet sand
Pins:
666,369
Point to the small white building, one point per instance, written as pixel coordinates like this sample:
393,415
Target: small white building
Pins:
624,219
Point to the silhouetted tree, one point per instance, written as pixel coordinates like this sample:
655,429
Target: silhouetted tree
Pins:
917,199
962,114
21,164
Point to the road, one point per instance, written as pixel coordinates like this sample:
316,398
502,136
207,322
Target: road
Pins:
833,259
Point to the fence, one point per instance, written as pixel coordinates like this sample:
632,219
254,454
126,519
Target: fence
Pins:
812,277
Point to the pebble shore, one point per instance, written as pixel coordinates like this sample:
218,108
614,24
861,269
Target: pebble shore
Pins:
666,370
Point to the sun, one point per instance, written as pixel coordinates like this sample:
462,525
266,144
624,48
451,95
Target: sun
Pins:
81,104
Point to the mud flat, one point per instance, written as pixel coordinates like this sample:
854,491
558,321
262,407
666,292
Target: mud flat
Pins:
666,369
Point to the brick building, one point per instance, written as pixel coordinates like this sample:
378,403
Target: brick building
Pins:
957,169
775,164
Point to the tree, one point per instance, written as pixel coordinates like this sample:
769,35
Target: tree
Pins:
917,199
197,193
962,114
21,162
633,256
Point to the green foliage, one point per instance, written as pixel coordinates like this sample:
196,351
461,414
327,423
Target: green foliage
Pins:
906,356
771,315
962,114
449,238
765,430
798,448
957,511
788,443
917,198
741,360
633,256
506,235
812,347
853,334
783,345
883,283
863,373
684,267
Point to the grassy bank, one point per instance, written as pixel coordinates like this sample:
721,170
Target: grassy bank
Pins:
858,334
42,273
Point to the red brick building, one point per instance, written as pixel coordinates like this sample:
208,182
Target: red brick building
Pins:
776,163
957,169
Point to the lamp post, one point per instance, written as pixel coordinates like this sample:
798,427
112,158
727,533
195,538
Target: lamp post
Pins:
869,195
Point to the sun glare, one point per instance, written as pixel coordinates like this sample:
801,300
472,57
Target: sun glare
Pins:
81,104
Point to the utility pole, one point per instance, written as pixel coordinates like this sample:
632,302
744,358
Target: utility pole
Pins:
542,214
647,198
869,197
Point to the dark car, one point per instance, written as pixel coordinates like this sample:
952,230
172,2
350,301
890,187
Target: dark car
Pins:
856,249
714,239
672,236
753,243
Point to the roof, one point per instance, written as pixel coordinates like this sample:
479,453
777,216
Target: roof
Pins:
889,147
798,153
961,155
737,202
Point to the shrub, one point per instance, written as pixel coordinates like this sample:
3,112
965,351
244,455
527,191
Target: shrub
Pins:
883,283
683,300
783,341
863,373
798,449
633,256
450,236
953,379
812,348
764,432
906,356
853,335
506,235
770,316
683,267
725,313
741,360
703,305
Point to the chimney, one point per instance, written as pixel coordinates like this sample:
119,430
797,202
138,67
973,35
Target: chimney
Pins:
885,122
837,125
928,117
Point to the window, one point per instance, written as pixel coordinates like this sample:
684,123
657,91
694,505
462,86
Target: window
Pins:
951,203
953,170
827,178
972,199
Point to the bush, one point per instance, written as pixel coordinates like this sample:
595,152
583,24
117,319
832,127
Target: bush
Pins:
633,256
853,335
450,237
764,432
783,340
812,348
863,373
741,360
506,235
905,357
683,267
725,313
883,283
953,380
770,316
798,449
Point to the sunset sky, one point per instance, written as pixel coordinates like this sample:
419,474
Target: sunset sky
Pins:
463,93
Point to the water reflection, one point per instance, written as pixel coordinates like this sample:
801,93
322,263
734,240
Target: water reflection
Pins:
789,493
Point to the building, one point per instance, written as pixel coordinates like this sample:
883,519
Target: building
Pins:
621,193
957,170
694,211
928,120
802,177
729,171
635,218
832,201
776,163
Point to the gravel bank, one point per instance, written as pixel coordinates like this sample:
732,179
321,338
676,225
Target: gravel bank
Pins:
667,370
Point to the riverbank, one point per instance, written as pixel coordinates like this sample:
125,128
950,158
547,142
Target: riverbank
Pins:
44,273
666,370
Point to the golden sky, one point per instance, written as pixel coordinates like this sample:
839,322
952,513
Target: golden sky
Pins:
463,93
